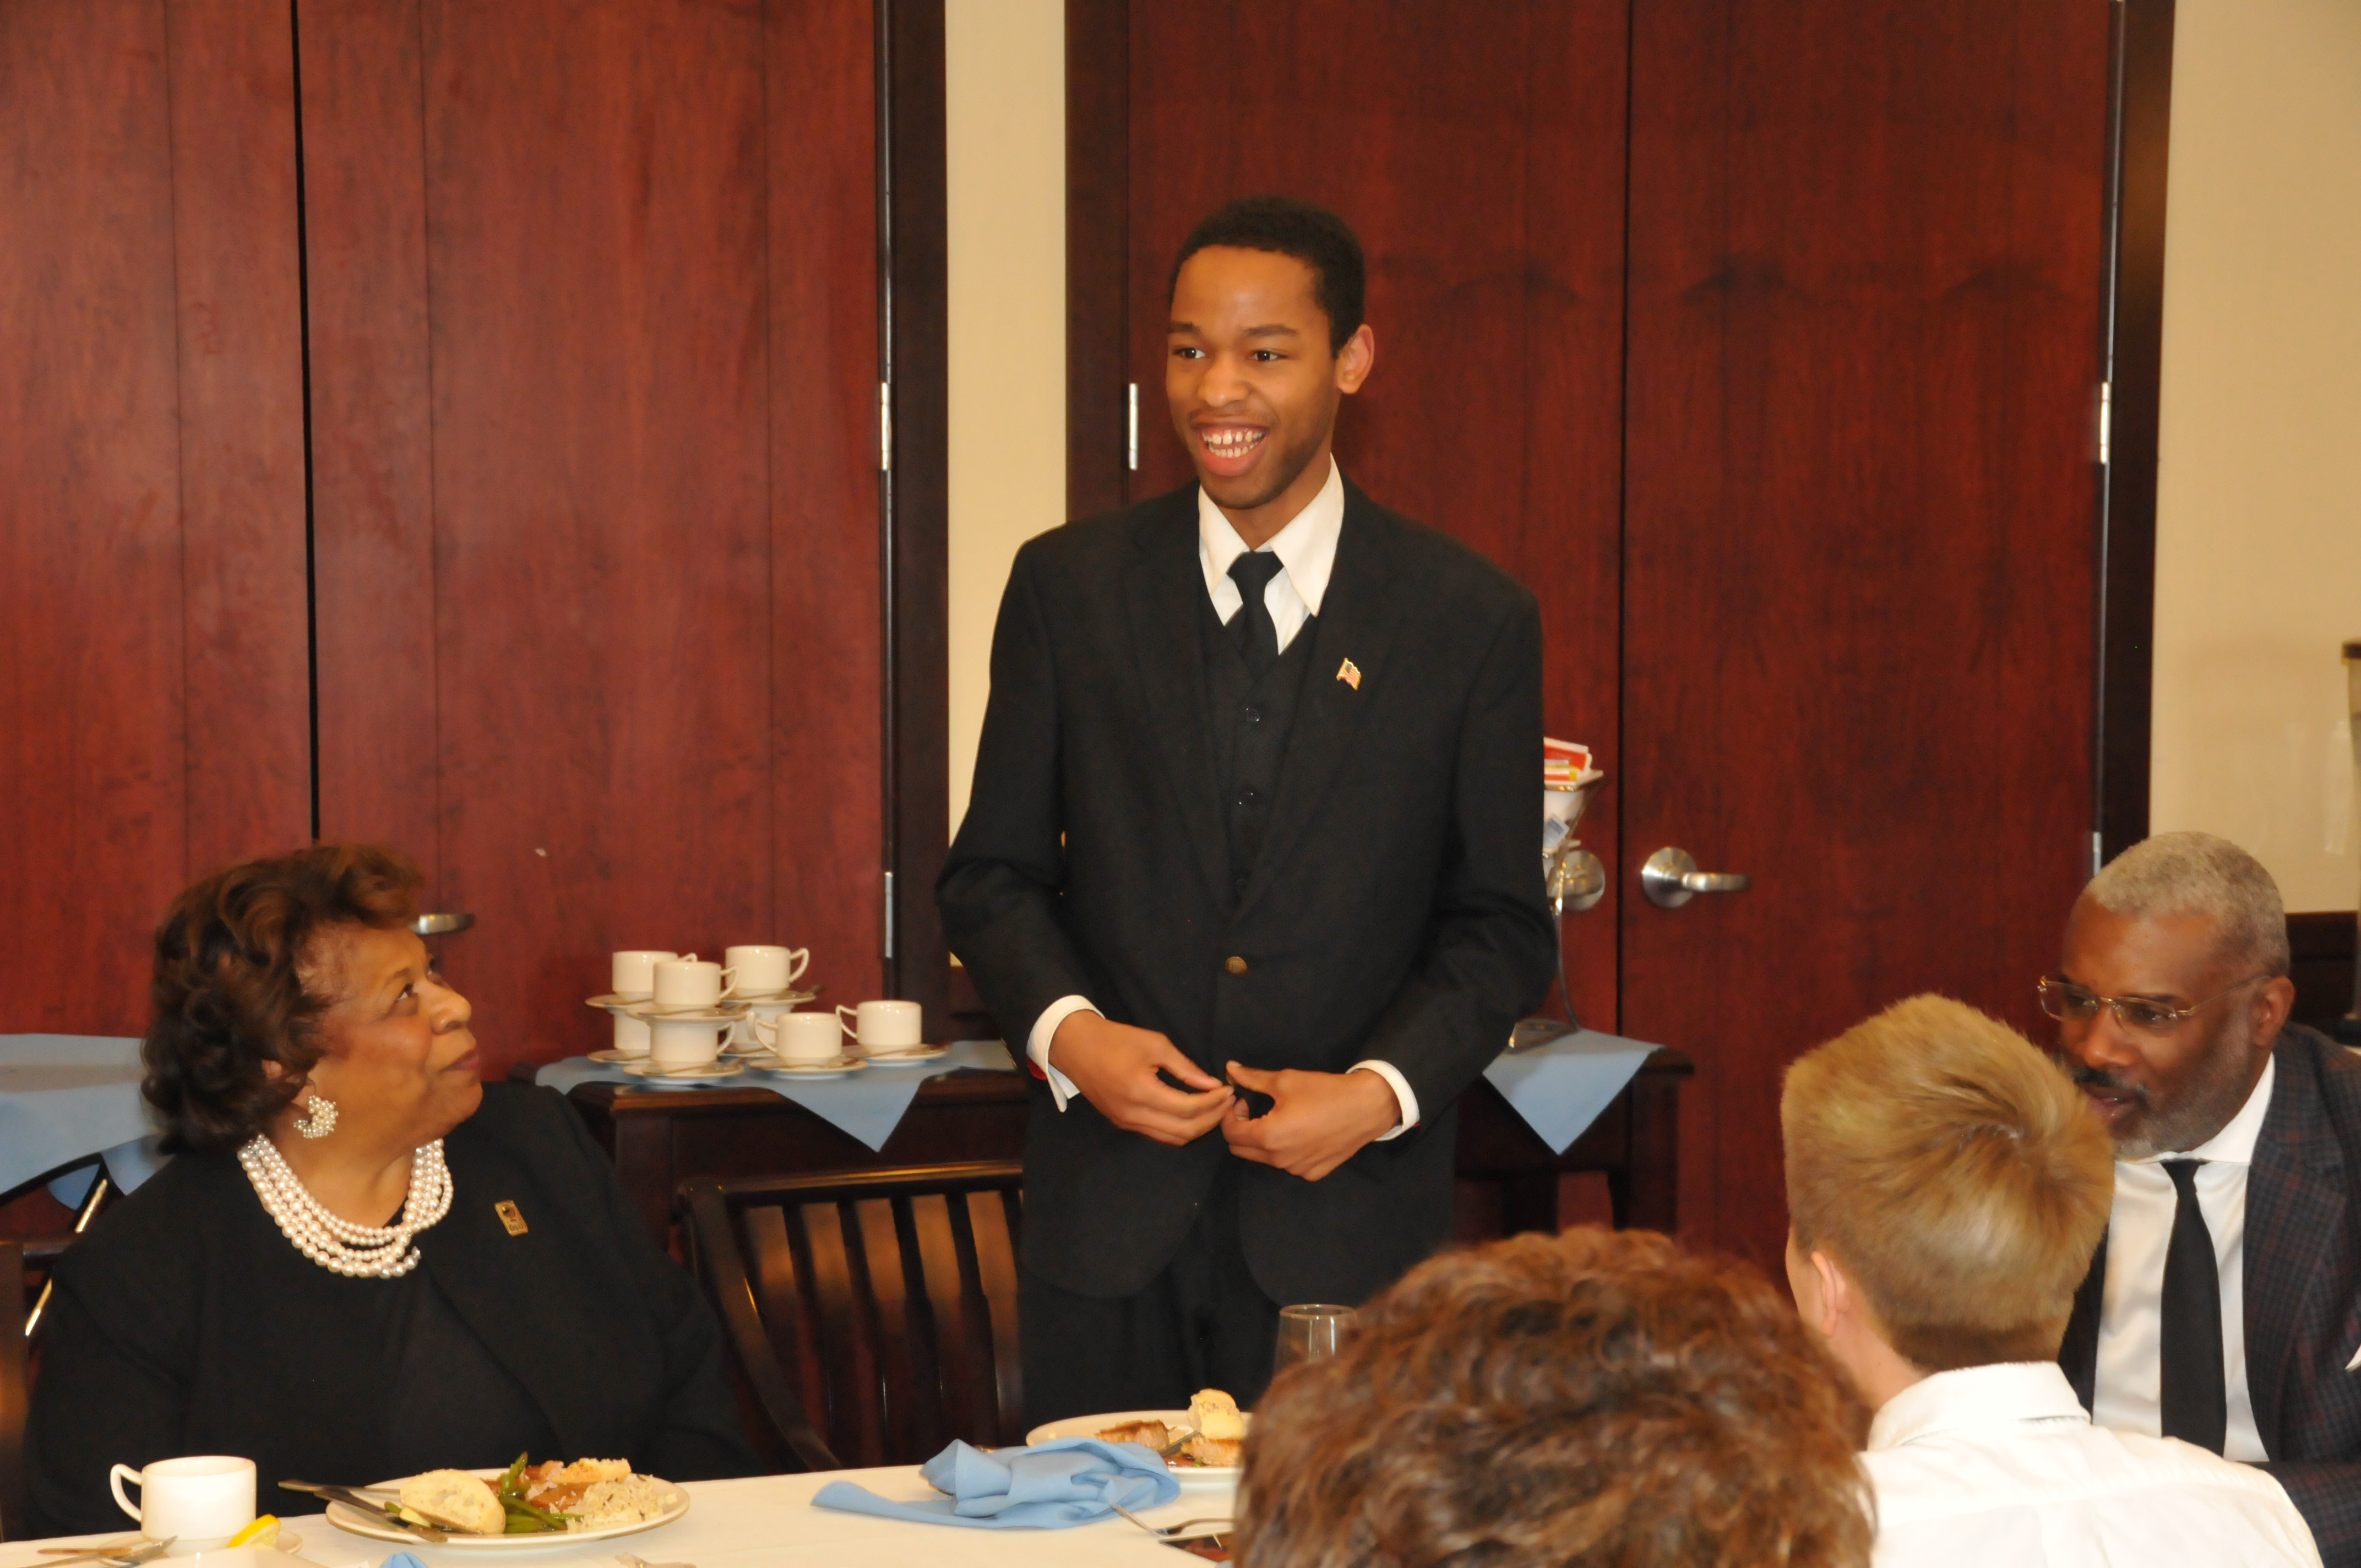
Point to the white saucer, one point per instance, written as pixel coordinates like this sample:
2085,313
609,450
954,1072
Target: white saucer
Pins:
922,1055
613,1003
682,1012
791,997
682,1077
843,1067
609,1058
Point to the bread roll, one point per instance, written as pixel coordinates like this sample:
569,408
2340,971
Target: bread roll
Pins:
456,1500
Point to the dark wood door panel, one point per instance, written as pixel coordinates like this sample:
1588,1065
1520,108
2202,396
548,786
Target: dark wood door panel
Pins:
598,508
152,701
1478,152
1865,317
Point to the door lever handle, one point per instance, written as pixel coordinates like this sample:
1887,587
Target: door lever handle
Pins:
1670,879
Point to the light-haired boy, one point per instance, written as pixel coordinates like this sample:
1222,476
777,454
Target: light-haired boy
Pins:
1946,1187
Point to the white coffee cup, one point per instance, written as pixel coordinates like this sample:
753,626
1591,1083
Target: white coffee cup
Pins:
635,973
766,971
677,1043
200,1502
759,1015
631,1035
691,983
884,1026
802,1038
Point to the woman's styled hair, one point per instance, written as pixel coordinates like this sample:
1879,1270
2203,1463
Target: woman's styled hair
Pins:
229,992
1955,1173
1598,1397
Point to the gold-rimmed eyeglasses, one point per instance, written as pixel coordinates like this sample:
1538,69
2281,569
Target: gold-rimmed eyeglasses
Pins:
2071,1004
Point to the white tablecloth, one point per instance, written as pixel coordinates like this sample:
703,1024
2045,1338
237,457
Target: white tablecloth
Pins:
764,1521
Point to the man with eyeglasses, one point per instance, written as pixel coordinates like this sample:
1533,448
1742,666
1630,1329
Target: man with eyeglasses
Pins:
2223,1306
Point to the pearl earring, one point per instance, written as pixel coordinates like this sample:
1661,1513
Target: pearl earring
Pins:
319,1119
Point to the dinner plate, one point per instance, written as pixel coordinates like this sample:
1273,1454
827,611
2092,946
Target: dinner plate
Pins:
354,1521
906,1059
1091,1426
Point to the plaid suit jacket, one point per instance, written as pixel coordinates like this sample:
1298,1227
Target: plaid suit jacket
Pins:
2302,1290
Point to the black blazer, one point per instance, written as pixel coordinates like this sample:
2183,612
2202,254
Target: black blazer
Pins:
185,1324
1395,911
2302,1290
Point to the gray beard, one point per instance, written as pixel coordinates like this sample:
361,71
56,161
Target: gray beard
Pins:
2210,1101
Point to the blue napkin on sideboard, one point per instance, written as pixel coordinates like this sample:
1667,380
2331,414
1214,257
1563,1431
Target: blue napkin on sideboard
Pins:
1072,1480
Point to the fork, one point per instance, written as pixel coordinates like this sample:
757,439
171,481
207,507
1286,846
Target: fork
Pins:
1168,1531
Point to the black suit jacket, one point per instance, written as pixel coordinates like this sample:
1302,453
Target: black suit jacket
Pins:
1395,910
185,1324
2302,1291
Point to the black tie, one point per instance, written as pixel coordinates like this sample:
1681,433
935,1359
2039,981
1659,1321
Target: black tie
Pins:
1256,634
2192,1393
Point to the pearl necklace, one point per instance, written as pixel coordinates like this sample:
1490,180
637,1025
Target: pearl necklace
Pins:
360,1251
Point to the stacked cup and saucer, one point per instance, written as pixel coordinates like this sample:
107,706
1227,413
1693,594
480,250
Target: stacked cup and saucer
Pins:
677,1015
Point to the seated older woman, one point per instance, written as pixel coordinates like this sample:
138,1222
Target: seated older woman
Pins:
364,1262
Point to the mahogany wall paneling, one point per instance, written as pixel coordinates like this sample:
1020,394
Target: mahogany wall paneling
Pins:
2140,123
1864,310
1098,213
1483,167
152,711
917,785
826,654
372,436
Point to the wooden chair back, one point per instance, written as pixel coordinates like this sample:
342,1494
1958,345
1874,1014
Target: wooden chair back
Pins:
15,1398
872,1313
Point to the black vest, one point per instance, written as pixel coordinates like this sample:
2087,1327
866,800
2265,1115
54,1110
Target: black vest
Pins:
1250,720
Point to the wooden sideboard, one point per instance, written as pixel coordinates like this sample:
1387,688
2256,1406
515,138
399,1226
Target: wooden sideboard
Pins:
660,1138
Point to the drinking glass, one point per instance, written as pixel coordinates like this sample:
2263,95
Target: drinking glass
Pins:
1312,1333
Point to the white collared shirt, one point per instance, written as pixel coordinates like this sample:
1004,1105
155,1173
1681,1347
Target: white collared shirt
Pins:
2127,1388
1999,1465
1306,549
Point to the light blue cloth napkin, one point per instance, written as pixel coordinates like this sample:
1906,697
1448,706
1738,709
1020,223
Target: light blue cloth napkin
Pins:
1071,1480
869,1104
1560,1087
67,1097
401,1560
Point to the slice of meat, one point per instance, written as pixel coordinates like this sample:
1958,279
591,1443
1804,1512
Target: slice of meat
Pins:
1213,1452
1155,1434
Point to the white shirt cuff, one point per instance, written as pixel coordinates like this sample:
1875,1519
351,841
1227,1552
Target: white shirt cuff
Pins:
1045,1029
1404,1097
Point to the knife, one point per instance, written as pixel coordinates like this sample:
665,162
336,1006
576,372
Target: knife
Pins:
118,1552
351,1498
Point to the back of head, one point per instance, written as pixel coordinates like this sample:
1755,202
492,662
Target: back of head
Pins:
1598,1397
2197,873
1287,226
235,1026
1955,1174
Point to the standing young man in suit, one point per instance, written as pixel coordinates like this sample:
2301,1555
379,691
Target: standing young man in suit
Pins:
1250,866
2224,1307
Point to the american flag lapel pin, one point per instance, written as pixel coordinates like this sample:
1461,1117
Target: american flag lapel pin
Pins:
1350,673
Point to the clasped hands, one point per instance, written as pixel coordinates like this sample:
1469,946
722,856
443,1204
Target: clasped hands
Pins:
1316,1122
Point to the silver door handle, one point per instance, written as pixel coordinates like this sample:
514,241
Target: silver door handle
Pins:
1670,879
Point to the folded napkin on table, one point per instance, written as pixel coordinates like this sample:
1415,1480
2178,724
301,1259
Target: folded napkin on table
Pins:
1072,1480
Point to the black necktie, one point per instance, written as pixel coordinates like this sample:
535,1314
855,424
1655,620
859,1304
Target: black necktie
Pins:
1256,634
2194,1399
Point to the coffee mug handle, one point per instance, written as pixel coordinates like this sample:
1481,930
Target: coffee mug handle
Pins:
729,984
765,1029
850,1032
115,1479
798,960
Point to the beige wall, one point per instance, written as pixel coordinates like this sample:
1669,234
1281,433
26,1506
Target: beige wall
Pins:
1004,112
2259,509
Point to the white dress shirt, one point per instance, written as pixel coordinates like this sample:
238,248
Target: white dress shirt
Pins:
1999,1465
2128,1385
1306,549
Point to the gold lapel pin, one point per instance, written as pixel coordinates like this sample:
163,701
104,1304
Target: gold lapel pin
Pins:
1350,673
510,1217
